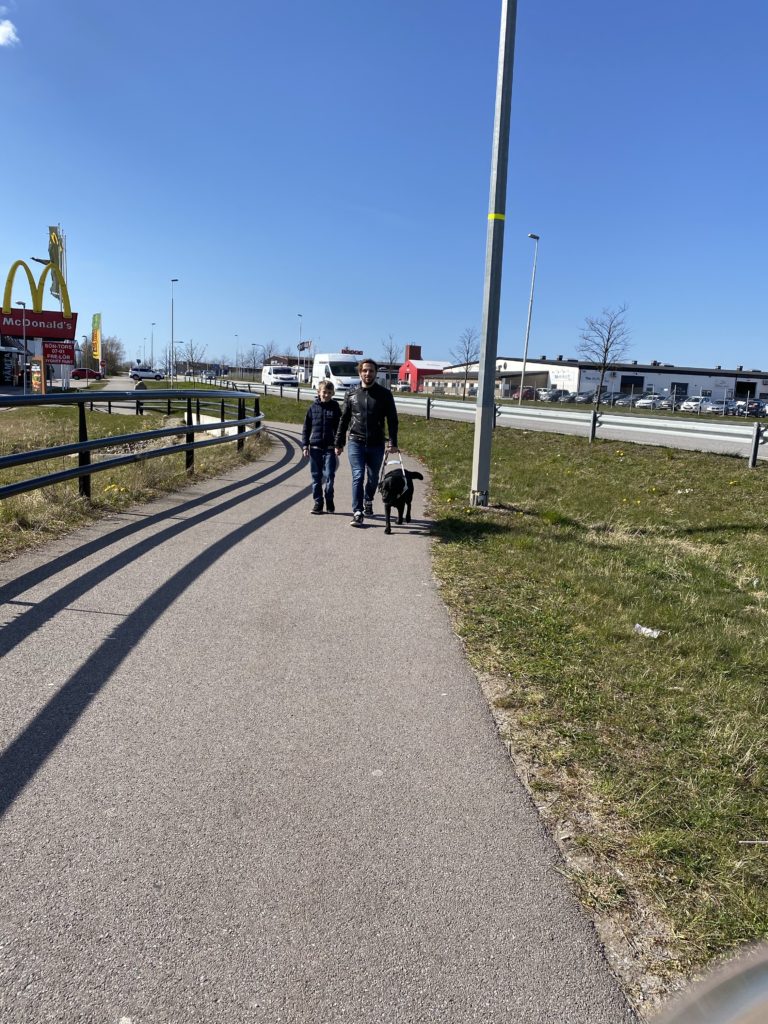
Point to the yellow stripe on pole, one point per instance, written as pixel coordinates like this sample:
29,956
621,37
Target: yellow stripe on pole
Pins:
496,216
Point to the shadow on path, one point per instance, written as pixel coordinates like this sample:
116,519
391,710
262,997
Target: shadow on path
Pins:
34,745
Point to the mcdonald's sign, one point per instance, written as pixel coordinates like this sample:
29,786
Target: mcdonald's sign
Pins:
37,322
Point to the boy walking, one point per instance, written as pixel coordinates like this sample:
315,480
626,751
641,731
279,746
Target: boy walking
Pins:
317,439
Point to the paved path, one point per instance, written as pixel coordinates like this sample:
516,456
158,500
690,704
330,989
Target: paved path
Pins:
239,784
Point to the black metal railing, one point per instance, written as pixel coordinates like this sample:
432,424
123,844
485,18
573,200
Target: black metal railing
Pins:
234,429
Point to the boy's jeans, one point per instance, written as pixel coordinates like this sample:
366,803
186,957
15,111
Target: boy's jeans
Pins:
322,466
360,458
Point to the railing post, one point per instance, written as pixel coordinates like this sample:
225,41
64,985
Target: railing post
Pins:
83,458
429,407
240,426
756,434
109,408
221,417
190,437
593,426
169,407
197,411
256,409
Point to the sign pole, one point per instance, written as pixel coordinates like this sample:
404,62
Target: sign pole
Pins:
481,459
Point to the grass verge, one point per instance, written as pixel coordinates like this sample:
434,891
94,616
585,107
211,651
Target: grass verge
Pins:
647,756
36,516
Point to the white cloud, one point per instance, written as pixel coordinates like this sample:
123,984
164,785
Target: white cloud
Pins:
8,34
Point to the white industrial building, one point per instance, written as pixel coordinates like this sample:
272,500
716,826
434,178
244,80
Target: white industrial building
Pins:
626,377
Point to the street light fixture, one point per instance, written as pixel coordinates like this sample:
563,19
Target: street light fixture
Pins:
152,346
528,325
24,336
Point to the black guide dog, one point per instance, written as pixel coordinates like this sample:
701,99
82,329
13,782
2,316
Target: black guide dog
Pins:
397,492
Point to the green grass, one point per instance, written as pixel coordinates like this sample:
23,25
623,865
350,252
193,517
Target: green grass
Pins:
29,519
661,744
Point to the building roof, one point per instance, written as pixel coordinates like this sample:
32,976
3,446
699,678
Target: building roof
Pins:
427,364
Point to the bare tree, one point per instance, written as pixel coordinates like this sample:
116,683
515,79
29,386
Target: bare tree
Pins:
466,352
605,341
390,354
193,354
113,354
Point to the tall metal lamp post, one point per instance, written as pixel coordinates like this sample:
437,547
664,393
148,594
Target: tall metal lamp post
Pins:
253,360
24,337
528,325
152,346
301,322
174,280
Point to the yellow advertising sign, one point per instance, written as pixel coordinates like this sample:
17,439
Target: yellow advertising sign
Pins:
96,337
36,288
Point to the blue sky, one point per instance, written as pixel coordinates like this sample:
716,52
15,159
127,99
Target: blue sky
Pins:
333,160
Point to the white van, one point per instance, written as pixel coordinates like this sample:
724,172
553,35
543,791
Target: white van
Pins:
276,375
339,368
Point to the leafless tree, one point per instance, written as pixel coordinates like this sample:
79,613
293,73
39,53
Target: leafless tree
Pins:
466,352
390,355
605,341
113,354
193,355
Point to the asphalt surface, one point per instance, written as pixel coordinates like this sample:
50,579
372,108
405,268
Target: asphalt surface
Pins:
248,776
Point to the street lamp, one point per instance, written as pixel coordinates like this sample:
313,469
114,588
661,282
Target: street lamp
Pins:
152,347
530,310
174,280
253,359
301,322
24,337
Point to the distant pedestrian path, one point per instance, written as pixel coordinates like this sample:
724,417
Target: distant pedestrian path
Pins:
246,775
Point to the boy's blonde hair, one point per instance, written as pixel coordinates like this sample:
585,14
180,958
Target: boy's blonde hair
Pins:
325,385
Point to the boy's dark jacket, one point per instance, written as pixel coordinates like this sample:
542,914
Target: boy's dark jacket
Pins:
321,424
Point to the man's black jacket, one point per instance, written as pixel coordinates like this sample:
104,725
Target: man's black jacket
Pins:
365,412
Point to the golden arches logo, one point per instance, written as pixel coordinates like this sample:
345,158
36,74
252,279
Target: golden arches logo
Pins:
36,289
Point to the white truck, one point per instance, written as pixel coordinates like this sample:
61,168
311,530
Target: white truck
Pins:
340,368
274,375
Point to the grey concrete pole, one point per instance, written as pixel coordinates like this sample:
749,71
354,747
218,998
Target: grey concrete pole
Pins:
481,458
174,280
528,325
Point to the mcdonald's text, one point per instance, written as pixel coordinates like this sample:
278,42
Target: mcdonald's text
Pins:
39,325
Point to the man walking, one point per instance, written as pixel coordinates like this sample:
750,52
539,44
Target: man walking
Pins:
366,411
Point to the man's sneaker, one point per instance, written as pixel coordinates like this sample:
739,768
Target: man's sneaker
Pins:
368,508
357,519
317,508
329,505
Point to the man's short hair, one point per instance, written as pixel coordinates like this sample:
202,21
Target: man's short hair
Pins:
362,363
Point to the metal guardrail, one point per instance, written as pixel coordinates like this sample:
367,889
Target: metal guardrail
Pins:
242,425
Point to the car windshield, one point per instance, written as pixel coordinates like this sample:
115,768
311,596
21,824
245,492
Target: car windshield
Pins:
282,371
344,369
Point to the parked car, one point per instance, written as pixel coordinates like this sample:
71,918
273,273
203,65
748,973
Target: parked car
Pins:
567,396
611,398
82,373
552,395
723,407
626,400
208,375
583,397
693,404
529,394
649,402
751,407
403,385
145,373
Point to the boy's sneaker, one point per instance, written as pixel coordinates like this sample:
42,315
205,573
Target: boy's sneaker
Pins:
357,519
368,508
330,507
317,508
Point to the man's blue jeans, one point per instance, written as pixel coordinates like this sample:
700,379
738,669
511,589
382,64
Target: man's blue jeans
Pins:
322,466
362,458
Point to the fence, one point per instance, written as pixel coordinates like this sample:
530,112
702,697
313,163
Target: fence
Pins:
191,403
